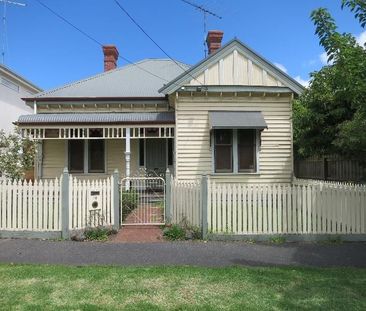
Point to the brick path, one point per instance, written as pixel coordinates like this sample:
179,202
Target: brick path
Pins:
140,234
145,214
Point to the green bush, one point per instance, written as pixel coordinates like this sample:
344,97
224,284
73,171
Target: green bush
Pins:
129,199
277,240
175,232
98,233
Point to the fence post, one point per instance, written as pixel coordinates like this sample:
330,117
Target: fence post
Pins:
168,197
116,198
65,192
204,194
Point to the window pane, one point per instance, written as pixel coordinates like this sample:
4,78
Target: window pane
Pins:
223,151
223,159
142,152
96,156
170,151
223,137
247,150
76,156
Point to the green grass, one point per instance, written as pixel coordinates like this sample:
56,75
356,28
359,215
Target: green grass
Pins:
35,287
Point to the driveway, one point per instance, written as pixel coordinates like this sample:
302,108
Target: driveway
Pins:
209,254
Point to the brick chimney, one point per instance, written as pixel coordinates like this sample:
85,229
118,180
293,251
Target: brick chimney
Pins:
110,57
213,40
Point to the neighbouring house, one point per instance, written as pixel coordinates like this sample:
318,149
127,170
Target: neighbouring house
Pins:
229,116
13,88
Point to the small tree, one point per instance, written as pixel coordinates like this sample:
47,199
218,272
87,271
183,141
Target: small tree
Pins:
330,117
17,155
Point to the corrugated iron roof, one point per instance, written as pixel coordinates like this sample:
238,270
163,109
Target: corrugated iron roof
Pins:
98,118
143,79
237,119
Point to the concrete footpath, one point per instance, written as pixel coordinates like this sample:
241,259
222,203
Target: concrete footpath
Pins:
208,254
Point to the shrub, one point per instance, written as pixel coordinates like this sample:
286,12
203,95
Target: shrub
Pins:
175,232
278,240
98,233
129,199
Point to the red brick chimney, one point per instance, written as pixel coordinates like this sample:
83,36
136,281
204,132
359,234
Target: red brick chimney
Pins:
213,40
110,57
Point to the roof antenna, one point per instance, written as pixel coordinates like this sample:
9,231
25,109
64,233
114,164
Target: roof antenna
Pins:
4,36
205,12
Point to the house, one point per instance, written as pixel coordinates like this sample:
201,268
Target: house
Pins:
229,116
12,88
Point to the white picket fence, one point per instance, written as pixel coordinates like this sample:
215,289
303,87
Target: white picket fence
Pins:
315,208
36,207
186,198
30,206
82,195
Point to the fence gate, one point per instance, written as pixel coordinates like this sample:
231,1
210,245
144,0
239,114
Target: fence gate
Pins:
143,201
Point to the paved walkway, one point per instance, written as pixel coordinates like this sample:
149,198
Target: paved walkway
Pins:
210,254
139,234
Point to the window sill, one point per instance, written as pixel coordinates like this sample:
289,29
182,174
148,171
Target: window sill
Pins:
89,174
236,174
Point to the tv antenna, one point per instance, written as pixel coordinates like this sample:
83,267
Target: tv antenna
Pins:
205,12
4,32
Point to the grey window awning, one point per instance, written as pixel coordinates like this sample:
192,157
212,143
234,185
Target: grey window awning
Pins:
237,120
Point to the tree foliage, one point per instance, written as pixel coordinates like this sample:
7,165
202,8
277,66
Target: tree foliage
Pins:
330,116
16,155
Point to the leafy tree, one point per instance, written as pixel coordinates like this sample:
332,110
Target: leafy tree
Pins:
330,116
16,155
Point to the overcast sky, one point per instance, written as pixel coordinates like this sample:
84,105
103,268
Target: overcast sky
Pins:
50,53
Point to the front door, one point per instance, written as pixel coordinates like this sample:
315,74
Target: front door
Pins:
156,155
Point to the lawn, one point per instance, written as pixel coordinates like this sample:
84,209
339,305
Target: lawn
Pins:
35,287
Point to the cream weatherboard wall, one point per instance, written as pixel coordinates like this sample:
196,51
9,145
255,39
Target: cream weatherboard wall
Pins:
55,158
193,149
236,69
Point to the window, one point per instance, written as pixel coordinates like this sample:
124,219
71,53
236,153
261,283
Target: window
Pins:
142,152
76,156
235,151
86,156
223,151
247,151
96,156
170,151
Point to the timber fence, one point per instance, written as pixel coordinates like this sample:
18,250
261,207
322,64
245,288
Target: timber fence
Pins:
300,209
54,208
331,168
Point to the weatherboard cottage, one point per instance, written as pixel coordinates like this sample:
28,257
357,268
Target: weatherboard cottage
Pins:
229,116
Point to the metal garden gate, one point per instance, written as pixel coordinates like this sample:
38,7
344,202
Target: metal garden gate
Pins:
142,201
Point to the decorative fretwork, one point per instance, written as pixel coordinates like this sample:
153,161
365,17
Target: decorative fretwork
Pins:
97,132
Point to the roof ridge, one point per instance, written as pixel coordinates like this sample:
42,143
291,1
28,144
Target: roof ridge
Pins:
96,76
86,79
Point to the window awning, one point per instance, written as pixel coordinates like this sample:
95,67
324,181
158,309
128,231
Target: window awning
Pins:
237,120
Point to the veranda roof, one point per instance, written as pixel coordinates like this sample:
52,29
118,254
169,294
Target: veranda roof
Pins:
97,118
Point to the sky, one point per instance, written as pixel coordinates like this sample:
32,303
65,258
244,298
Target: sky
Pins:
50,53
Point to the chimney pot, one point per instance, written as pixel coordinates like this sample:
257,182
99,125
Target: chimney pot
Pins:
110,57
213,40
